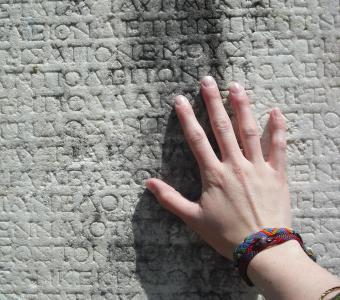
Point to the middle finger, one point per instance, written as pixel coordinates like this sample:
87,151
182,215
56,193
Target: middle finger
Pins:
220,121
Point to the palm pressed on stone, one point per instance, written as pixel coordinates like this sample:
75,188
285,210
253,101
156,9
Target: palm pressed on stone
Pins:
234,201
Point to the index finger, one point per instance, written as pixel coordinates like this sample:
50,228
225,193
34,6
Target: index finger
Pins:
195,135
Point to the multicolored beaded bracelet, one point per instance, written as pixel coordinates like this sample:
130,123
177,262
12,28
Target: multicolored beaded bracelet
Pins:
255,243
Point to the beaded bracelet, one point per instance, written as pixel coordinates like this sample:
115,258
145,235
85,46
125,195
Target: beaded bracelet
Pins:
255,243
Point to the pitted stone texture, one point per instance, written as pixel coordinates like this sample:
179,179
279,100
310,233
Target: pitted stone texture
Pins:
86,95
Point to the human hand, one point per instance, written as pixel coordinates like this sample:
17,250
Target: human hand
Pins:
241,193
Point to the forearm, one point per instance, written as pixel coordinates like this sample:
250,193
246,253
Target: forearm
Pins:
285,272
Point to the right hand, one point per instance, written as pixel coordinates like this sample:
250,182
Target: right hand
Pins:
241,193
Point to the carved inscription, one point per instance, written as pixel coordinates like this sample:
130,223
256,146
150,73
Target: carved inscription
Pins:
86,96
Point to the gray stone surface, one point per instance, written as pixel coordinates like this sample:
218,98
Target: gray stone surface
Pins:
86,93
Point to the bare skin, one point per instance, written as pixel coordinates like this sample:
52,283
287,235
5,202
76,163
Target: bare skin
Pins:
243,193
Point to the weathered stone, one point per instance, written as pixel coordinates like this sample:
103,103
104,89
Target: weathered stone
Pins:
86,94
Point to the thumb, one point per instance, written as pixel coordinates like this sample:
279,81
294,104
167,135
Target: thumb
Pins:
172,200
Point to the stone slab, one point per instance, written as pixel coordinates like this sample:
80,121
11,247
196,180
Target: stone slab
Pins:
86,97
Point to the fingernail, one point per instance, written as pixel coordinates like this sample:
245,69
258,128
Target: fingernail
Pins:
235,88
180,100
208,81
148,184
277,112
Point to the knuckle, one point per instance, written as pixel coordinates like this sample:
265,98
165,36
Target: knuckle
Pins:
215,177
222,125
195,137
250,131
280,143
281,177
241,171
238,171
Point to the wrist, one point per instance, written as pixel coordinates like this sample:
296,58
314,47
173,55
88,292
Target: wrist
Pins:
290,250
285,271
273,269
